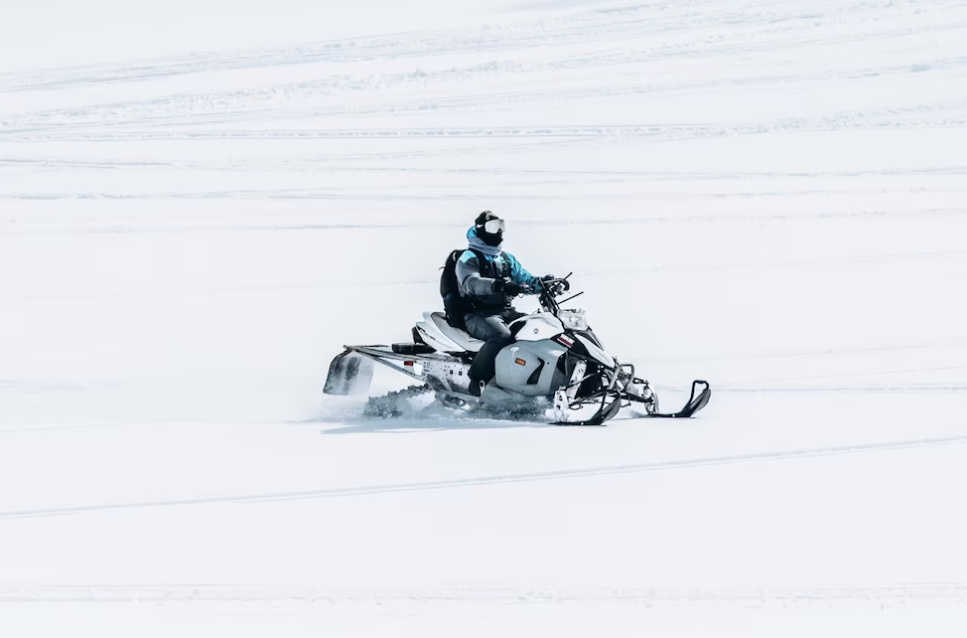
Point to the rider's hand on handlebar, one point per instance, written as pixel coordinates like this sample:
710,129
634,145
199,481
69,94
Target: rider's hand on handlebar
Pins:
508,287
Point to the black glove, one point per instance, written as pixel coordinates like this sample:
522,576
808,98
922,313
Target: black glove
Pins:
507,287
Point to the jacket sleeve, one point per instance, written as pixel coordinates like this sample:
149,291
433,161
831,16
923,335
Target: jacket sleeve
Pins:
472,284
520,276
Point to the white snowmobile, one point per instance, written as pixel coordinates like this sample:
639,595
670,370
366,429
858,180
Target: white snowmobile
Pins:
556,362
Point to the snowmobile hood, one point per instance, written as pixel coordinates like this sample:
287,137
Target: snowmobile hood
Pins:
478,244
603,357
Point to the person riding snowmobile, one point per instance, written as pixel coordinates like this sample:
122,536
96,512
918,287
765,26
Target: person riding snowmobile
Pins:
489,288
548,360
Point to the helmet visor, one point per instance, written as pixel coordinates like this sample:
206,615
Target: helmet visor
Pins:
494,226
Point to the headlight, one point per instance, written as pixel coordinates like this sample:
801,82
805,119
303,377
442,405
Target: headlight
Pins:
573,319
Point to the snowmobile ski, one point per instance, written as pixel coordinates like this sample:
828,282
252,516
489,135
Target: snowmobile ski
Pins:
695,403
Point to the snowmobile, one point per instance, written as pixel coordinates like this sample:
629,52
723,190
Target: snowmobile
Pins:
556,363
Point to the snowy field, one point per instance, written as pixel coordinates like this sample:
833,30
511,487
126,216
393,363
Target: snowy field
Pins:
201,202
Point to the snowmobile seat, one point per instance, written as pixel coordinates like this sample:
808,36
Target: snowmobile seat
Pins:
457,336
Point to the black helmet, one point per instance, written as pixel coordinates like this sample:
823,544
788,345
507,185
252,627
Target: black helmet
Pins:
490,228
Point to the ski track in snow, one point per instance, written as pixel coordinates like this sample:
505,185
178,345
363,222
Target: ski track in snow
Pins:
325,165
780,26
336,194
864,120
775,28
220,107
884,595
782,455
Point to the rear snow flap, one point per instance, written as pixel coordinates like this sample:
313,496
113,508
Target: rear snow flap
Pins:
350,373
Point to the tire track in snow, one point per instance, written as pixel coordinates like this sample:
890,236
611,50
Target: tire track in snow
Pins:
556,475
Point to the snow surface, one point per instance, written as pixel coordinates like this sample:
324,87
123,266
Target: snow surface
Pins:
200,202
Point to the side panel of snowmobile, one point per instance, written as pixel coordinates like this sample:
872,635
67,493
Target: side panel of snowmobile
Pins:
530,368
603,357
538,327
350,373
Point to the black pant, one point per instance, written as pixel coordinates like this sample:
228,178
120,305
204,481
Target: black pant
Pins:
489,326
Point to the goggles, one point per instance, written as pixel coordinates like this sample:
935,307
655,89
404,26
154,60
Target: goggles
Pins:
494,226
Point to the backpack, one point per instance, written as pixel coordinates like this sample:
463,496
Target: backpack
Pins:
457,306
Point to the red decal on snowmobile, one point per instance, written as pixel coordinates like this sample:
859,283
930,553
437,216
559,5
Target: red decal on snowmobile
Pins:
564,341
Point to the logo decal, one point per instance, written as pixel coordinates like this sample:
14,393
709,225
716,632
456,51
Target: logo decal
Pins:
564,340
520,362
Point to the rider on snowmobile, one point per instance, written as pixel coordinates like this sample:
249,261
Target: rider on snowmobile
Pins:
490,287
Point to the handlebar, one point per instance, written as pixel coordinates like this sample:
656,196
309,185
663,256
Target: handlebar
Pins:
550,289
554,287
